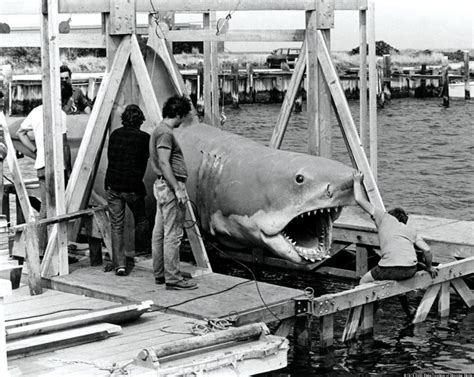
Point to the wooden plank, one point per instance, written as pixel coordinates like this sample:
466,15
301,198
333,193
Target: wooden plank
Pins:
289,100
463,290
72,40
367,324
152,106
334,271
88,153
324,106
313,90
372,89
57,219
426,303
103,224
352,324
370,292
326,331
211,71
113,315
286,327
349,128
363,125
44,343
362,265
53,130
122,17
443,300
94,6
268,313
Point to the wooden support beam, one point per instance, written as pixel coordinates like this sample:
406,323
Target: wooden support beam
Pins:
463,290
348,125
467,84
361,260
53,130
103,224
48,342
72,40
313,90
152,106
372,89
114,315
289,100
367,323
426,303
324,106
371,292
363,124
89,150
122,17
326,331
296,35
443,300
32,250
211,68
95,6
352,323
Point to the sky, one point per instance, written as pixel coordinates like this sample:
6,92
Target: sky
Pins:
404,24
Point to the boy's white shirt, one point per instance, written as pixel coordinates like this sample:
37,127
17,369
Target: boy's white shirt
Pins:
34,122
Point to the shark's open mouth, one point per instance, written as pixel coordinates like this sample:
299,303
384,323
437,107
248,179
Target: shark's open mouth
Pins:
310,233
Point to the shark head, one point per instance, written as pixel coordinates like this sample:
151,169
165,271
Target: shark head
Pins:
247,194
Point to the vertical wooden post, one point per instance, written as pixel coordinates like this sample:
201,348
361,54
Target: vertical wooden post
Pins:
210,73
312,75
364,129
373,89
361,260
367,323
443,300
235,85
52,129
445,80
7,88
326,331
467,84
325,21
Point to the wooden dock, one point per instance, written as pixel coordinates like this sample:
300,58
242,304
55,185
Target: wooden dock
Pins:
156,328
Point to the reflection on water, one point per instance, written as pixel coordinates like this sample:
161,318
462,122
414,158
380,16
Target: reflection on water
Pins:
425,165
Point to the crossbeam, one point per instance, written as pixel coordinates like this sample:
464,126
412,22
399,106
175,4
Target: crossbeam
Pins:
367,293
15,7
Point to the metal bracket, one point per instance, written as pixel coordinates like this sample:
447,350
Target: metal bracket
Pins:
147,358
301,306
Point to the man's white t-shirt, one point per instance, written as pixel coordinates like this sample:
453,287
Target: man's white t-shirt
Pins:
34,122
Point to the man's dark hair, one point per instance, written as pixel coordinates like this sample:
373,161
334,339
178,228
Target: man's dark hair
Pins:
132,116
65,68
176,106
66,93
399,214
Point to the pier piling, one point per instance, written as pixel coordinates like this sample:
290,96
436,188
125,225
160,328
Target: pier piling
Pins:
467,85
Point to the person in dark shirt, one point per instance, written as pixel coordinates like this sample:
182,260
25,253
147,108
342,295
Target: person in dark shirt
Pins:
79,102
128,156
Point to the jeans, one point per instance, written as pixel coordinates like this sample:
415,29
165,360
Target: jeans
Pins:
116,204
167,233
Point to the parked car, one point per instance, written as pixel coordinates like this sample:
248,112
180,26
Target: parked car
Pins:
282,56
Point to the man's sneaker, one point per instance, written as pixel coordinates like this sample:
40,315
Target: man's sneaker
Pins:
121,271
160,280
181,285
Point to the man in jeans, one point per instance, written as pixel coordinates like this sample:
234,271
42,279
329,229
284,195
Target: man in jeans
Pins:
128,156
170,193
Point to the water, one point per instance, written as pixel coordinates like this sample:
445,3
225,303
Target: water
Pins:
426,166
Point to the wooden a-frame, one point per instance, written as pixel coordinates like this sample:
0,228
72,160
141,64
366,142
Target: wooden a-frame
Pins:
79,186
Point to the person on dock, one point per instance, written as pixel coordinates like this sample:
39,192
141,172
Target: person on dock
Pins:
399,245
128,157
33,123
170,193
79,102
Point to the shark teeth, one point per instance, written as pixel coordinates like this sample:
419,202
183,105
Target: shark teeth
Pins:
320,210
312,255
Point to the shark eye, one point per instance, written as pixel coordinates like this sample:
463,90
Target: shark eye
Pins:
299,178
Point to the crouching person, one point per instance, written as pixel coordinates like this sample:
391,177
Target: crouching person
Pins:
398,245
